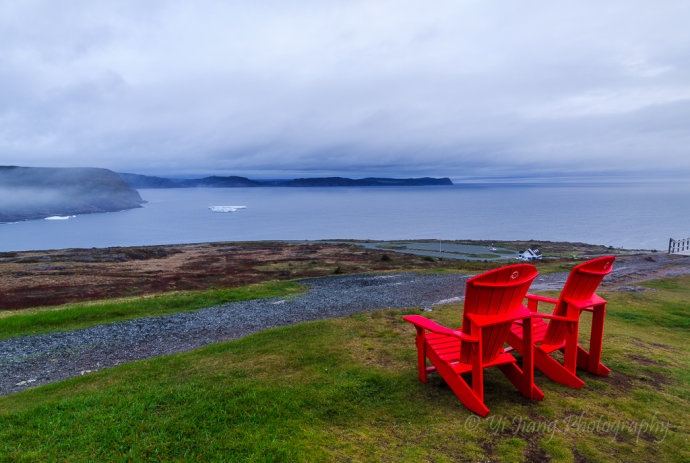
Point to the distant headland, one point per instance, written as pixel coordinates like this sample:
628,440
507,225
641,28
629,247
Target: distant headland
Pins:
146,181
28,193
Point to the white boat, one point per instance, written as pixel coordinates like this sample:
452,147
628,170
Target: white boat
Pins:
226,208
60,217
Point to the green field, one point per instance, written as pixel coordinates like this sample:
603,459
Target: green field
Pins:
347,390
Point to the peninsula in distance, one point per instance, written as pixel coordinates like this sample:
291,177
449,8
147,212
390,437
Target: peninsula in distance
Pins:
146,181
28,193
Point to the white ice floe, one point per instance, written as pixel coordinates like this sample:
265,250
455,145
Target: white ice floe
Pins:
226,208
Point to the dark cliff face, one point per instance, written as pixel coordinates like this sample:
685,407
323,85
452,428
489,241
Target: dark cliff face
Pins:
38,192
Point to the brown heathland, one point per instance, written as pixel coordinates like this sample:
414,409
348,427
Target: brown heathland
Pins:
48,278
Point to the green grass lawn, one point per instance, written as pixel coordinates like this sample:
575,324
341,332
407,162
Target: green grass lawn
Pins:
347,390
83,315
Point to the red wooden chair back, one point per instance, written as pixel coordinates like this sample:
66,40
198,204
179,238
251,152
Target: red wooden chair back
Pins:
579,288
497,292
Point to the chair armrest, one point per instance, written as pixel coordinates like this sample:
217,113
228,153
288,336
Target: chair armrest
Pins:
536,297
499,319
533,301
556,317
587,304
430,325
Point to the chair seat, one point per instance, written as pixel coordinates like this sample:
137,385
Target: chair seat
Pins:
539,328
448,349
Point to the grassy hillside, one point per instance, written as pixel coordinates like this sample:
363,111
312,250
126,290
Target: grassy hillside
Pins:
347,390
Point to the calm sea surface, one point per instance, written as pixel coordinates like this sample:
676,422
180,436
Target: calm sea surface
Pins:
623,216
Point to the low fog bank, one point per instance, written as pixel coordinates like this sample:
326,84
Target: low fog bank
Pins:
34,193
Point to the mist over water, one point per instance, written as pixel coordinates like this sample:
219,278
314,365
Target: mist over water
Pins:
622,216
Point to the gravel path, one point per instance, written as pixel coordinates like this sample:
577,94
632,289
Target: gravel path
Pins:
35,360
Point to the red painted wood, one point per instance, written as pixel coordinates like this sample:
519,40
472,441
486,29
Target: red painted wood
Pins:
493,302
559,331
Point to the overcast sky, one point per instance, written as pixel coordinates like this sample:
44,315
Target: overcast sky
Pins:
291,88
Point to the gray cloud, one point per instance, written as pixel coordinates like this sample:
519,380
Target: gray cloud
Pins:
457,88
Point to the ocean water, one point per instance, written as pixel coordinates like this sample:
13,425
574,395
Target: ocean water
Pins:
630,216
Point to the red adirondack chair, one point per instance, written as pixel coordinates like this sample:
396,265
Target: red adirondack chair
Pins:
493,301
560,333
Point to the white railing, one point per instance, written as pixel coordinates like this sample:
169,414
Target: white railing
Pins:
679,246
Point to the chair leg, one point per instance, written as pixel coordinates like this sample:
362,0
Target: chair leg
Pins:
555,371
463,391
478,373
570,350
591,361
420,340
521,381
585,362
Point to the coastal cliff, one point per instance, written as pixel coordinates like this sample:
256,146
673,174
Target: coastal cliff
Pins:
37,192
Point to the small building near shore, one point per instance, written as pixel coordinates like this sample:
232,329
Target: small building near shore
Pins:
530,254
